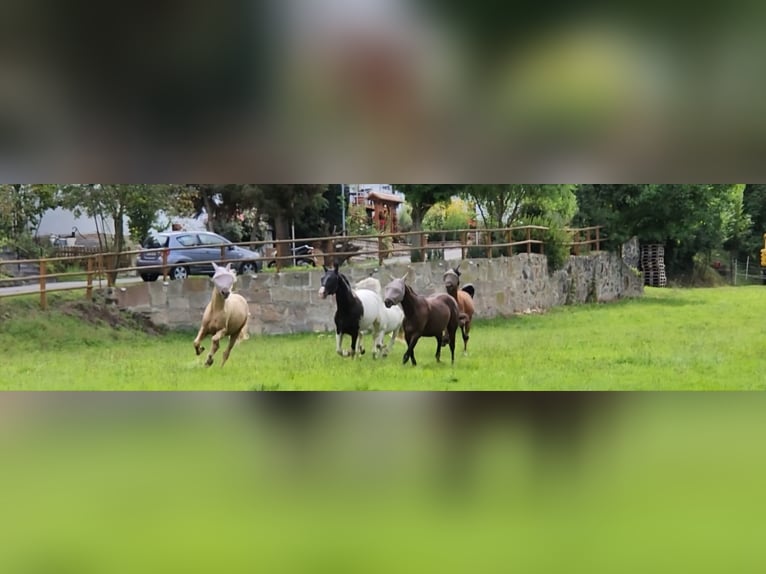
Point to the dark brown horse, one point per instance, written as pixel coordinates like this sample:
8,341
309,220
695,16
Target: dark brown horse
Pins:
431,316
464,298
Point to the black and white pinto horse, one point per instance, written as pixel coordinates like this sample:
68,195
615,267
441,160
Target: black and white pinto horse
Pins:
357,311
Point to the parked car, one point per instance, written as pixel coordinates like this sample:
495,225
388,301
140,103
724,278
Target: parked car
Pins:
303,255
203,247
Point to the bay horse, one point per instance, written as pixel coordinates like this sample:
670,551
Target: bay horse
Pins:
227,313
357,311
464,298
431,316
391,318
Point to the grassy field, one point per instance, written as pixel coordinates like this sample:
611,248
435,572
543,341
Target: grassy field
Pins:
672,339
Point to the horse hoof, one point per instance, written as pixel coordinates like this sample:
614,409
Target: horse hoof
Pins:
199,350
209,361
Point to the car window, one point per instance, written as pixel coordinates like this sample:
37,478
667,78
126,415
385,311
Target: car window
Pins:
155,242
206,239
187,240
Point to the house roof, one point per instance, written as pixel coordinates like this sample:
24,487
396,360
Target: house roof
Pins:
386,197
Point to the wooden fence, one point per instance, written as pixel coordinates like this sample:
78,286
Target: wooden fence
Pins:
472,243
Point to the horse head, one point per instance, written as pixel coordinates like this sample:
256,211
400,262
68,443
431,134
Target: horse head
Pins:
330,281
451,278
224,279
394,292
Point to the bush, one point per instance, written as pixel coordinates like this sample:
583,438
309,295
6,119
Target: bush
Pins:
458,214
556,248
358,222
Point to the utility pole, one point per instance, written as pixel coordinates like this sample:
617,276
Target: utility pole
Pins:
343,206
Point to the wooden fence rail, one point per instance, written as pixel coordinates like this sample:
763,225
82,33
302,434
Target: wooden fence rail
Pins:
472,243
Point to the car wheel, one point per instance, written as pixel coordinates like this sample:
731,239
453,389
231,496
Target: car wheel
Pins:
248,267
149,276
179,273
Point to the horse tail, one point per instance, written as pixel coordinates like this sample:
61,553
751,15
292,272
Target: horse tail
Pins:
469,288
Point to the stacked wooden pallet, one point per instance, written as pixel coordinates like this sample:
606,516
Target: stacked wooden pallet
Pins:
653,265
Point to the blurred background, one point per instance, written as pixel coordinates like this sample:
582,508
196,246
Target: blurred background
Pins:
463,482
297,91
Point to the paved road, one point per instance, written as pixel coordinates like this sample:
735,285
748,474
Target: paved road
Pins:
61,285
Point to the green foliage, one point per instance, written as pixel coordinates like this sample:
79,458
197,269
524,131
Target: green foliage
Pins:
506,205
421,197
556,249
22,207
116,202
687,218
358,222
457,214
405,218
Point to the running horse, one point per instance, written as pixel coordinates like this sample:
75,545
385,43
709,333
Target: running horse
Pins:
226,314
464,298
357,311
433,316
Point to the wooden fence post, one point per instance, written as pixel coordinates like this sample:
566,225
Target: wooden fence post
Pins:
89,288
489,245
381,248
43,298
509,239
223,253
164,265
598,239
463,244
529,240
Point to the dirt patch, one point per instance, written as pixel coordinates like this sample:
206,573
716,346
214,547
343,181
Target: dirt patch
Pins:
100,314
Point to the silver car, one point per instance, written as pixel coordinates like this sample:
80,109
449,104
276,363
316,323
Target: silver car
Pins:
201,247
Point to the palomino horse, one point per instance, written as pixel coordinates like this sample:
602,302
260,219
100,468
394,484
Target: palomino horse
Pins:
391,318
464,298
226,314
356,311
424,317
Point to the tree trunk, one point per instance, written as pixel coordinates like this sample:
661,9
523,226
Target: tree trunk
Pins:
208,209
281,231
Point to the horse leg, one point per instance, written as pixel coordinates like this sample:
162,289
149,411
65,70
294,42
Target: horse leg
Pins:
452,334
465,329
354,340
214,349
338,342
438,350
410,354
232,341
198,340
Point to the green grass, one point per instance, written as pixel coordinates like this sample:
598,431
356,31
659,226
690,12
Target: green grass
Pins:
672,339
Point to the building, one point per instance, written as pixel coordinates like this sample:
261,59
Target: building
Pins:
381,201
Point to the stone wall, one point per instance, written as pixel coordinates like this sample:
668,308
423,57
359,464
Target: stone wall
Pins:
289,303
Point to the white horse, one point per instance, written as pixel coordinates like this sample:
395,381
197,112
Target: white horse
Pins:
391,318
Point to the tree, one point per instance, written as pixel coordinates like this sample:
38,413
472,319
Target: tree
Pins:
22,207
116,202
689,219
754,207
503,205
423,197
